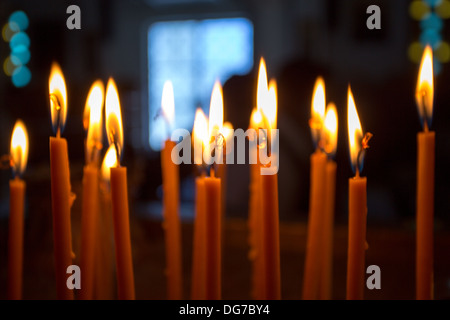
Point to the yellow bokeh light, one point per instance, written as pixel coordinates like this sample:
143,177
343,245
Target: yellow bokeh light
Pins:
418,9
443,52
8,66
443,9
415,50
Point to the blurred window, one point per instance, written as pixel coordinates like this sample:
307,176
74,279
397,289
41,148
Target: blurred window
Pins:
193,54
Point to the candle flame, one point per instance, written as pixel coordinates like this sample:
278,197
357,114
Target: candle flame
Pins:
200,133
256,119
355,133
227,133
216,111
19,148
424,89
58,98
330,130
262,90
317,110
114,127
168,103
93,117
227,130
109,161
271,107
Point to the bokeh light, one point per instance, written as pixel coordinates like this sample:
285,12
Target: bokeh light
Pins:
18,21
415,51
443,52
430,36
19,39
8,66
433,3
20,55
21,76
419,9
432,21
443,9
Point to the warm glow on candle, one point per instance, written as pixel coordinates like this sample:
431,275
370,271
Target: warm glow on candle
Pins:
109,161
19,147
114,127
317,110
424,89
200,133
93,116
168,103
355,133
216,111
58,98
330,131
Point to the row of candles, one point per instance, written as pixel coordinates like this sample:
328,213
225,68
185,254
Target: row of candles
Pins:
263,203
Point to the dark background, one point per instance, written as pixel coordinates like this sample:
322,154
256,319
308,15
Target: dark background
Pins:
299,40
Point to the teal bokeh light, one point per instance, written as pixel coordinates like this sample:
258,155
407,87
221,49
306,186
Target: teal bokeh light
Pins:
432,21
432,37
20,55
21,76
18,20
19,39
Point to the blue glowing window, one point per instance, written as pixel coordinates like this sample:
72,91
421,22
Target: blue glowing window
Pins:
193,54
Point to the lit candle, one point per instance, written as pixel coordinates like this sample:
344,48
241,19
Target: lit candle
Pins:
269,196
255,201
357,205
318,160
425,180
19,156
90,205
62,197
200,133
171,200
330,146
227,132
254,215
119,197
213,203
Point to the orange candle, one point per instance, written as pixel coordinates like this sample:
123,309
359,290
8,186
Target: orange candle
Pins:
318,160
213,238
255,209
19,156
425,180
119,197
104,278
198,289
270,238
90,205
62,196
213,221
171,216
198,286
330,145
357,202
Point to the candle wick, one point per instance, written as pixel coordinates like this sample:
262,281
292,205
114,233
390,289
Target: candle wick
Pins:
57,104
424,109
361,152
112,136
